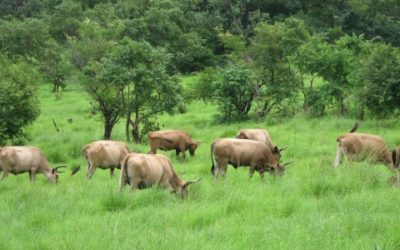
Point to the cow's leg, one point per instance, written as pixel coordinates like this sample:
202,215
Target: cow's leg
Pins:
91,170
223,165
177,151
339,156
134,183
5,174
251,171
111,172
32,176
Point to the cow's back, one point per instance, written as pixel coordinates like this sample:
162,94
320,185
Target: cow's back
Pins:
106,152
260,135
240,151
364,145
150,168
21,157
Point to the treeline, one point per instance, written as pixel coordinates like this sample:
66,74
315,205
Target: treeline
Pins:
256,58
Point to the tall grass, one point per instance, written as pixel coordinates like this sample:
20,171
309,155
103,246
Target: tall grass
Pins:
312,207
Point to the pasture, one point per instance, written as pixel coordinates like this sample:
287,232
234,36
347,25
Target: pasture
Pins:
312,207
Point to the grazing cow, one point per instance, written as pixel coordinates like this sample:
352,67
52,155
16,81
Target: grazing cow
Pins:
361,147
238,152
263,136
21,159
105,155
144,170
170,140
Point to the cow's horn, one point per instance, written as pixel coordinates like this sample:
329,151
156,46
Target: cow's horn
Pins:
194,181
281,149
58,167
75,170
287,163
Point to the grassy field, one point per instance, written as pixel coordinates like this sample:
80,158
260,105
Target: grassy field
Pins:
312,207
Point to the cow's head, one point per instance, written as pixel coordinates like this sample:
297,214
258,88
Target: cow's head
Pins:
278,170
276,152
193,146
241,135
53,177
183,192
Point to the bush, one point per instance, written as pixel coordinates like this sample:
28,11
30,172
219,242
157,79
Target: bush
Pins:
19,105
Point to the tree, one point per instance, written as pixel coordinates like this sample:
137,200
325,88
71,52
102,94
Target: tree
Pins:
149,88
235,91
105,98
19,105
278,84
379,81
55,65
25,38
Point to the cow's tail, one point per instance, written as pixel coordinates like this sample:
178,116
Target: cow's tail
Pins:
124,173
84,152
355,127
212,158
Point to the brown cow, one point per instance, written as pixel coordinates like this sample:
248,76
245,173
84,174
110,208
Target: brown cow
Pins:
361,147
21,159
105,155
263,136
144,170
170,140
238,152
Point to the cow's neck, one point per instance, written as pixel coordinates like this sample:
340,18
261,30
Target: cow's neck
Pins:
176,182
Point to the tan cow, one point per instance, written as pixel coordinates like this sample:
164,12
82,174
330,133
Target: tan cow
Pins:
22,159
144,170
105,155
170,140
238,152
263,136
361,147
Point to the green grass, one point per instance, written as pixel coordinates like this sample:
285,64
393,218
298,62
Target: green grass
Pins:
312,207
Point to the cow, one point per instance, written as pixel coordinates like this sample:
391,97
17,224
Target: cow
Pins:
364,147
22,159
170,140
104,154
263,136
239,152
144,170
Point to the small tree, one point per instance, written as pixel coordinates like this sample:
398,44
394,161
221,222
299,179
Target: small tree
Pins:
55,65
235,92
19,105
106,98
142,71
379,81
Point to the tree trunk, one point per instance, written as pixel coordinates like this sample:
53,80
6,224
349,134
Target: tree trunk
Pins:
55,88
107,130
135,129
128,121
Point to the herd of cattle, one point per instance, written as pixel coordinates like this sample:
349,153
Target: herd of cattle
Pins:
251,148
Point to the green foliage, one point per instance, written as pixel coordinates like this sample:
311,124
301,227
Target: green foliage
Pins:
19,105
270,48
65,20
164,24
142,70
105,98
23,38
379,75
56,66
235,92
